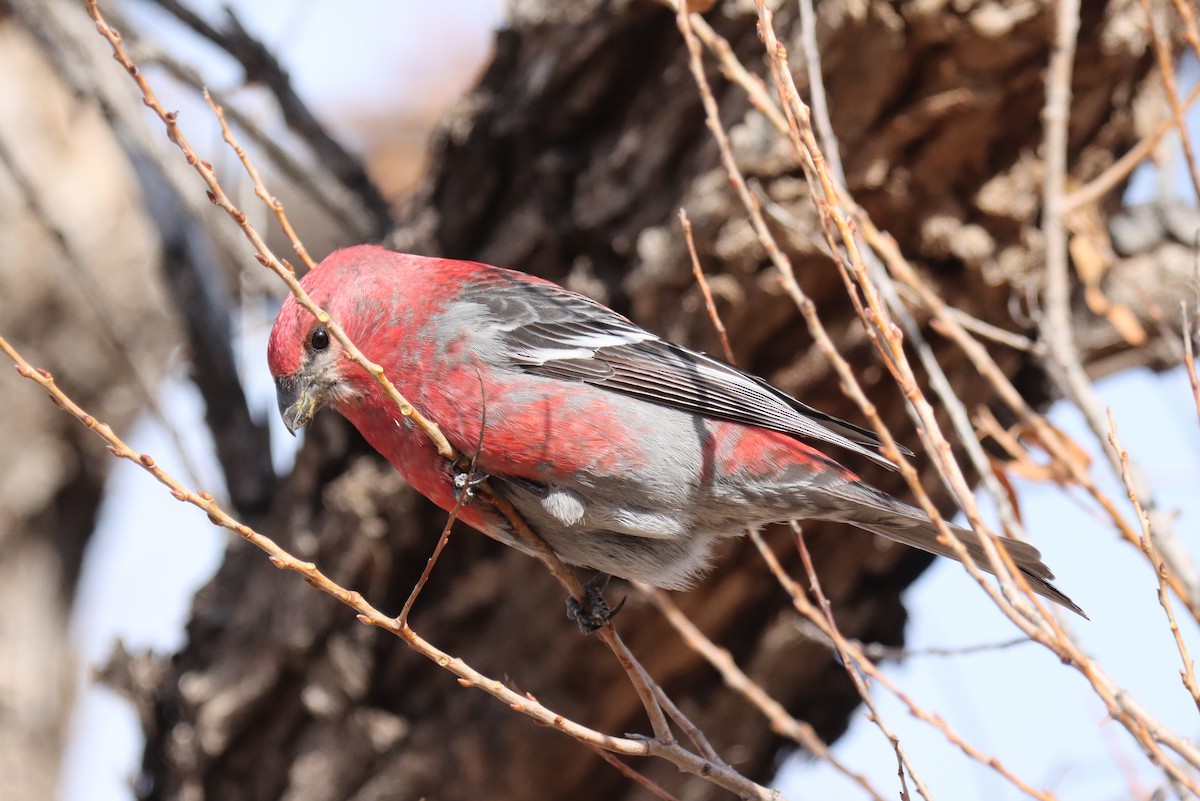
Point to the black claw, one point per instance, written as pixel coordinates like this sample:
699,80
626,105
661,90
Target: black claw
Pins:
465,482
593,612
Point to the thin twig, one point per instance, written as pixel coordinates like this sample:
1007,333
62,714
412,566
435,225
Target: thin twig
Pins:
1166,72
737,680
717,772
816,88
698,272
1188,674
652,786
1189,357
402,618
981,328
693,732
864,691
314,179
262,67
733,69
93,295
1095,190
856,659
465,493
1063,362
878,651
1190,31
260,189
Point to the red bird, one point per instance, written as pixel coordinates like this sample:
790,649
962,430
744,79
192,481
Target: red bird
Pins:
626,453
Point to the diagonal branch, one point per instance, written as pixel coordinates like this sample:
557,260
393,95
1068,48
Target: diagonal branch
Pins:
647,691
1063,363
261,66
194,280
686,760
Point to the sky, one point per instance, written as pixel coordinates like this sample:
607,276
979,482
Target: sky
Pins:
150,553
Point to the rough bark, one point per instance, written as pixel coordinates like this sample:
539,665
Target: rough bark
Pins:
570,161
64,190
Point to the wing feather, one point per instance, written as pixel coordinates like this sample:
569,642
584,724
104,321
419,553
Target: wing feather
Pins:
553,332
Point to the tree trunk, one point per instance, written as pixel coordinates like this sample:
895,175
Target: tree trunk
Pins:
65,282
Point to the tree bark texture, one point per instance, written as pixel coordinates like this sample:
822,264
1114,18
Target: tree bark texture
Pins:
570,161
65,190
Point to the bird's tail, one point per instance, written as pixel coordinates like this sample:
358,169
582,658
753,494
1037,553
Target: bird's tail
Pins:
884,515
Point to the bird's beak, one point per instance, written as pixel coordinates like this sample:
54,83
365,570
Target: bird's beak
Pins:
298,400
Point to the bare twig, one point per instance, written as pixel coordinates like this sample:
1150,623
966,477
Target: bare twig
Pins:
816,88
693,732
631,774
665,748
262,67
1188,674
1166,70
856,659
704,289
93,294
1094,190
402,618
878,651
1189,357
733,69
1063,362
314,179
736,679
260,189
864,691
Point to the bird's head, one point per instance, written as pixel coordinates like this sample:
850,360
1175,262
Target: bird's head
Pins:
308,364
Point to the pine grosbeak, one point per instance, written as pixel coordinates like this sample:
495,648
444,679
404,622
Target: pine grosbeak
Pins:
626,453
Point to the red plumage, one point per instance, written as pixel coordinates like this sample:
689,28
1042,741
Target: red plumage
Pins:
626,453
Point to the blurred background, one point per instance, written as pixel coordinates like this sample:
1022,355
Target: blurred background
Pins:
558,138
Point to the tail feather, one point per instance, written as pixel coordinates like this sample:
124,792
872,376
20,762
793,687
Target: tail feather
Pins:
1027,558
882,514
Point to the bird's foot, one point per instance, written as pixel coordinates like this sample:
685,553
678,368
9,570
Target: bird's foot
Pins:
466,482
593,612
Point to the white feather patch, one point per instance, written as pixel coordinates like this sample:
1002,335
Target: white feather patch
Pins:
565,506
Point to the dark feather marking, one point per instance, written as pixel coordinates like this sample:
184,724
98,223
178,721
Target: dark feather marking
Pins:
557,333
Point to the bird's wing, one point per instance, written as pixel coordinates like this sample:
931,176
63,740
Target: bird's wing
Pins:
551,331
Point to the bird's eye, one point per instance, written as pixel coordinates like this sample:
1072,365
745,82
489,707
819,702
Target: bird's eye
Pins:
319,339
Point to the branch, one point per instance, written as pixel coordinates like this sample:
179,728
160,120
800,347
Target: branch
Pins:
195,284
737,680
261,66
664,744
1063,363
716,772
1036,624
93,293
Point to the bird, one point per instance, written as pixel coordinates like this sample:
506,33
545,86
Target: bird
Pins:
628,455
